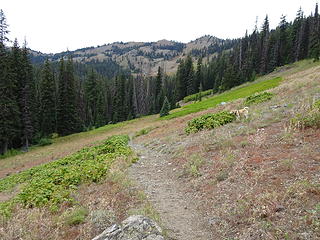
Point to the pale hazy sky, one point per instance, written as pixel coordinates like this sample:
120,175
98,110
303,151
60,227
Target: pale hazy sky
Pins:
58,25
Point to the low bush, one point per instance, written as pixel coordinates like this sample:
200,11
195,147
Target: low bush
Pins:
10,153
195,97
76,216
209,121
308,119
258,98
52,184
44,142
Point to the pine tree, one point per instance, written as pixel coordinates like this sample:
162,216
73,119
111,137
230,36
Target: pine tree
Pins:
67,118
264,45
158,87
314,46
198,77
282,56
189,70
47,102
27,100
3,28
9,114
119,113
181,80
165,108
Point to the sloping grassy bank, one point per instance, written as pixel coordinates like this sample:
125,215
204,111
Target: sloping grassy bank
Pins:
230,95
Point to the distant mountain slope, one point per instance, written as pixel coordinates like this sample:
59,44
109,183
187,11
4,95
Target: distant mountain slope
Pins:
143,57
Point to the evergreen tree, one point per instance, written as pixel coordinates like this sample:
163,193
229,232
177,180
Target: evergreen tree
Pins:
314,46
9,114
264,45
67,119
165,108
189,70
181,79
198,77
48,101
282,54
158,88
119,113
3,28
27,100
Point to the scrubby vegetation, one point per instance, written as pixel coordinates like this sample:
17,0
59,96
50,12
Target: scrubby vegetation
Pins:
209,121
307,119
53,183
258,98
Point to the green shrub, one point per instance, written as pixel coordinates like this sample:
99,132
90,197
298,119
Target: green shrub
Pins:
195,97
10,153
54,135
143,131
194,164
258,98
209,121
76,216
308,119
52,184
44,142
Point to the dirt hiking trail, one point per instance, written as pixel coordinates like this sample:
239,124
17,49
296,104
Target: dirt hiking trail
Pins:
178,212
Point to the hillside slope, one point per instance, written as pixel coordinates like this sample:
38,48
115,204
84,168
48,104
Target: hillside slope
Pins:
143,57
255,178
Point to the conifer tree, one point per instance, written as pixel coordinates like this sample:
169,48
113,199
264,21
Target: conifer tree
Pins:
3,28
189,70
9,114
48,101
67,119
314,46
27,99
158,88
198,77
165,107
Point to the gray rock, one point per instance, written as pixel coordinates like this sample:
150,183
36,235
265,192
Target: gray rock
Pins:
133,228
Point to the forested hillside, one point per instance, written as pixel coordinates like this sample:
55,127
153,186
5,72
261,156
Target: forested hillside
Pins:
79,92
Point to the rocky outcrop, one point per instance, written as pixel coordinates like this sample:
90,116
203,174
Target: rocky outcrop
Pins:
133,228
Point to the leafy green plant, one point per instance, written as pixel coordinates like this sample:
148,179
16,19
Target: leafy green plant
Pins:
258,98
209,121
52,184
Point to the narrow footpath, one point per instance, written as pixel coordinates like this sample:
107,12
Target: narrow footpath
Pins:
156,177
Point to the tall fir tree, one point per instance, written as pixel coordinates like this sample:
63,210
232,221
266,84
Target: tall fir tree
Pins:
47,101
67,118
27,99
314,45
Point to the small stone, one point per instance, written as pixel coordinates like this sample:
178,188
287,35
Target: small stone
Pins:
279,208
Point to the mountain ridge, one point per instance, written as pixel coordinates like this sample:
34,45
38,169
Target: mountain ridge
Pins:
143,57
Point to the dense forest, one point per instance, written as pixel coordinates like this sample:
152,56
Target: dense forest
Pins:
63,97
